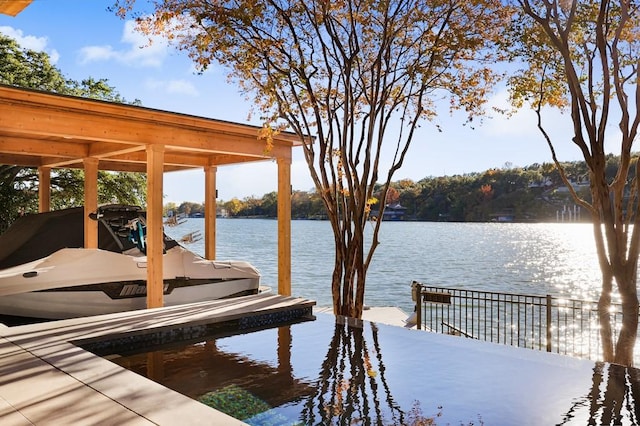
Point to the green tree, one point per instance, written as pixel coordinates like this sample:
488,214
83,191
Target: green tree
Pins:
269,204
583,56
300,205
96,89
19,186
233,206
358,75
252,206
169,207
16,194
190,208
19,190
28,68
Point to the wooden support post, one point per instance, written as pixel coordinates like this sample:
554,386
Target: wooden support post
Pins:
284,226
155,283
90,201
210,212
44,189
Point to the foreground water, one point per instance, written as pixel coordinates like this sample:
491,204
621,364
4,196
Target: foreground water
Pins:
541,258
326,372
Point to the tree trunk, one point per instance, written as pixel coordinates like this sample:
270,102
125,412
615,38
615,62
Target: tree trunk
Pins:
629,331
336,280
624,271
349,276
604,318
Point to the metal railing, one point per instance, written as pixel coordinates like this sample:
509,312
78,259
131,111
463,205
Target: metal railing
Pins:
552,324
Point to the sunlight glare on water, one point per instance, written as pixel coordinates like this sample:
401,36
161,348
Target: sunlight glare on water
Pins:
561,256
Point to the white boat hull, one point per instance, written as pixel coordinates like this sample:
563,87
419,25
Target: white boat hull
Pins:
71,304
83,282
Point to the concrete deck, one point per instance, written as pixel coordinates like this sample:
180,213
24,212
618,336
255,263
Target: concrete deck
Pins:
45,379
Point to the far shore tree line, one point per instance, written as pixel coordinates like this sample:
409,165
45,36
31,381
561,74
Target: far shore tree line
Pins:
535,193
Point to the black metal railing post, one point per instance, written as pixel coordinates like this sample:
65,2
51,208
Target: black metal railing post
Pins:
549,298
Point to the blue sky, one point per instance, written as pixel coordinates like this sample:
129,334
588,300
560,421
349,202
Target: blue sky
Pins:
85,40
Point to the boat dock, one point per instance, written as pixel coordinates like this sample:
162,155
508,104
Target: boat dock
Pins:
46,378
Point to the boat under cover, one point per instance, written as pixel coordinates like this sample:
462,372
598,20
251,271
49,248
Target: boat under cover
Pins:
45,272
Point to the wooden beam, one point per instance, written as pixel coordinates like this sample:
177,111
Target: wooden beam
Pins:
20,160
155,283
44,189
90,201
171,158
284,226
210,212
92,124
223,159
115,166
188,159
62,163
43,147
106,149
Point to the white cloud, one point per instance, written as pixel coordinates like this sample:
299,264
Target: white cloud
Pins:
139,50
39,44
97,54
520,123
523,123
181,87
174,87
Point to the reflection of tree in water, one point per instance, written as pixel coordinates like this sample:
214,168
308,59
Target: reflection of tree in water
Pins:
351,382
614,397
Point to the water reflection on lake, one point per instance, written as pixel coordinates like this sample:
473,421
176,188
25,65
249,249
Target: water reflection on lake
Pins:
328,371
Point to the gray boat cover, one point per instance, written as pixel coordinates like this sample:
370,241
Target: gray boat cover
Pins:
35,236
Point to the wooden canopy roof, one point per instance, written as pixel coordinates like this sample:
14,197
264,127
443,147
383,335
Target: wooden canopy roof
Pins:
44,130
13,7
39,129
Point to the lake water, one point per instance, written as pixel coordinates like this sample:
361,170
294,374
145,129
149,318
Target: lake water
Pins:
541,258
